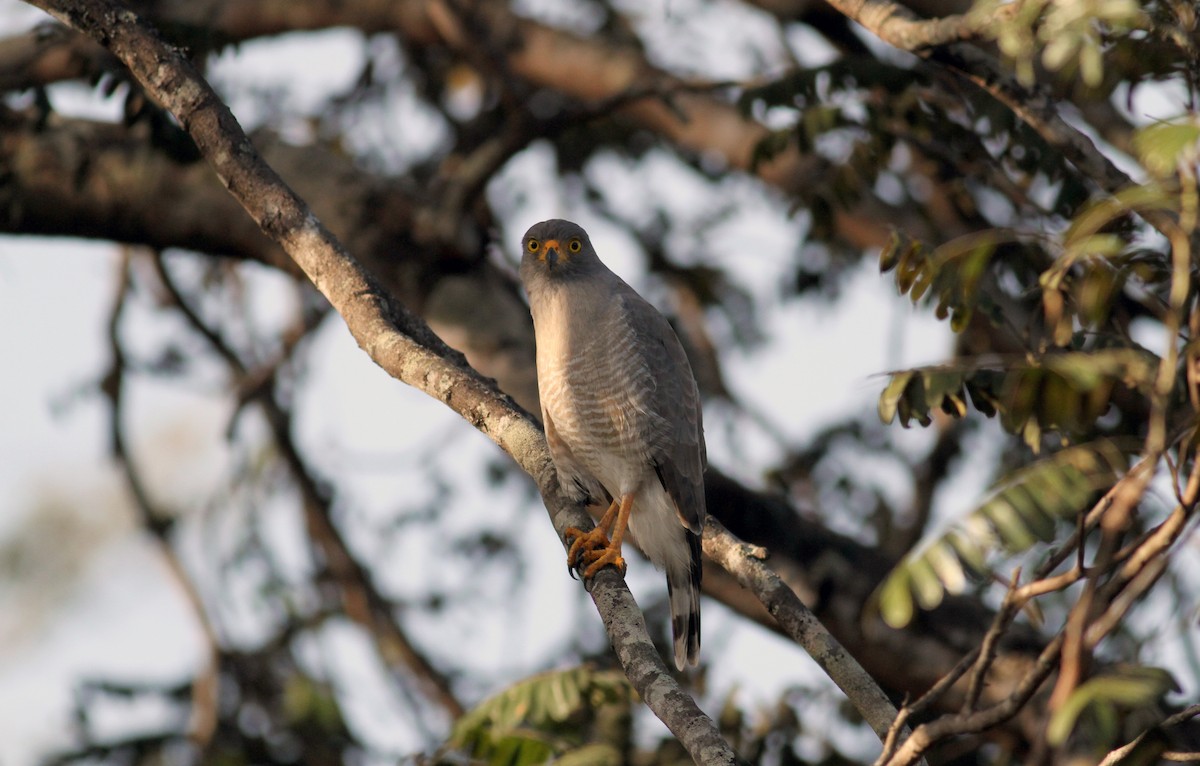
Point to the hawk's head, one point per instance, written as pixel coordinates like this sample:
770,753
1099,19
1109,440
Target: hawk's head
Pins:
557,249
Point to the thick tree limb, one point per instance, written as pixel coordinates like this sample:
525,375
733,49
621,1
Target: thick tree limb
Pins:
395,339
589,69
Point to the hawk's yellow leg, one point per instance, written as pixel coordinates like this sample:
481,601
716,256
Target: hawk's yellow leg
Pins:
594,547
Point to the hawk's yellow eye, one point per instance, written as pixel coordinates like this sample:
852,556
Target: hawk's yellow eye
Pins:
533,245
574,246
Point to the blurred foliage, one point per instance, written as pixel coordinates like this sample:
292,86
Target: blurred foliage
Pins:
946,278
270,711
1065,36
1164,147
1097,705
580,716
1022,511
1081,375
1064,392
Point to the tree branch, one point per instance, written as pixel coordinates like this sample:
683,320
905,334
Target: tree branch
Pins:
745,562
588,69
899,26
360,599
967,722
158,523
395,339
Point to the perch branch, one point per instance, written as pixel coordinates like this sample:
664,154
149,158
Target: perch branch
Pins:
393,337
745,563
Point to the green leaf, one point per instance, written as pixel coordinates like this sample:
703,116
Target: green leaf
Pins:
971,550
1019,513
1162,146
890,398
948,277
895,599
1063,392
592,755
1125,689
925,583
1091,63
539,718
1098,215
941,557
1009,523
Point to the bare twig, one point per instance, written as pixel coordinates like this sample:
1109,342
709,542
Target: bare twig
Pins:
361,600
745,563
987,649
157,521
926,735
925,701
1116,756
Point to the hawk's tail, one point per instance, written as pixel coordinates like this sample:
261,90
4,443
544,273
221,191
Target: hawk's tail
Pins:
683,591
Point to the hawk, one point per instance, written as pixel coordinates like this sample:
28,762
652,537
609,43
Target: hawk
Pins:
622,417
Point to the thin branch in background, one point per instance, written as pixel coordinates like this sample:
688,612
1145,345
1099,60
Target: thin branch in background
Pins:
361,600
1119,606
927,735
112,386
899,26
987,649
1139,570
1118,755
924,702
261,378
745,563
1075,543
159,523
1076,659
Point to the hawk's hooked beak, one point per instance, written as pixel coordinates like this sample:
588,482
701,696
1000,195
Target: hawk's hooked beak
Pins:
551,253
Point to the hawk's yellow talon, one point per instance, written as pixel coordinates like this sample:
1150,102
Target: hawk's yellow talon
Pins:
586,547
593,549
602,559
